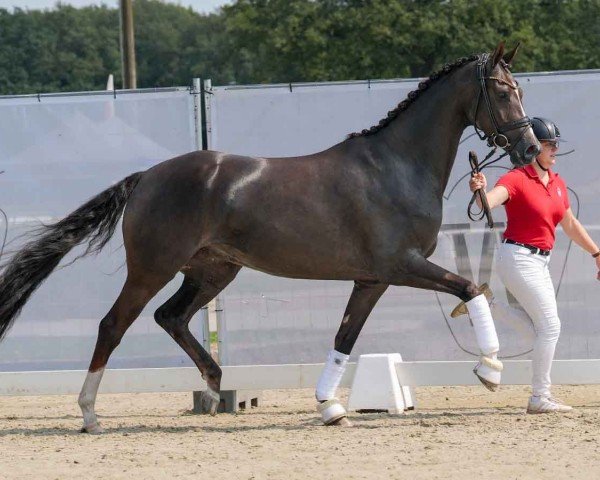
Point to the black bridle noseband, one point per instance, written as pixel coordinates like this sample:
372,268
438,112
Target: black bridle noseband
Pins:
498,137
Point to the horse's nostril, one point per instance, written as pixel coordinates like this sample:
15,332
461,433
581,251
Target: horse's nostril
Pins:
532,152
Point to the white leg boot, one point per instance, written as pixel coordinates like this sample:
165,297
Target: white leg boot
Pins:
489,368
331,410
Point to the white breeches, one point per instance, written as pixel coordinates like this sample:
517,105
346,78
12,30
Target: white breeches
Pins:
527,278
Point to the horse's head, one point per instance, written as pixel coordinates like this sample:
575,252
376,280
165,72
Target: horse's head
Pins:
499,112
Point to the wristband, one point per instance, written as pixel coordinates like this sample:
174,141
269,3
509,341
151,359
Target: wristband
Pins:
596,255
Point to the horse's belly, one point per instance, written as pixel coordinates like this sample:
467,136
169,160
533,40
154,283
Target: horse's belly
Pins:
294,262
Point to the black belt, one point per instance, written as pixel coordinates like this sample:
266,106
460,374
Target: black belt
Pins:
531,248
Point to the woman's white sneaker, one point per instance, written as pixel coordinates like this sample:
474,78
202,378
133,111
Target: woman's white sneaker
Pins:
539,404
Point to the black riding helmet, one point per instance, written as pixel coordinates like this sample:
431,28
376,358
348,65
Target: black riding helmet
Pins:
545,130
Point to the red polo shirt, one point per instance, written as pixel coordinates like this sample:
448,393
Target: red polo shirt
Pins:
532,209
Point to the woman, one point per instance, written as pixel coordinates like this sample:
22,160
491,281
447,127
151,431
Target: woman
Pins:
536,200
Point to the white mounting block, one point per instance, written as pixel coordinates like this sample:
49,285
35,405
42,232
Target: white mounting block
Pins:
376,386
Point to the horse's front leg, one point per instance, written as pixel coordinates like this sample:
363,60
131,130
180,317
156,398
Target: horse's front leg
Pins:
417,271
363,299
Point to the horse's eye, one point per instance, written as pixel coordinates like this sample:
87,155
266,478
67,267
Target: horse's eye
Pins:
503,95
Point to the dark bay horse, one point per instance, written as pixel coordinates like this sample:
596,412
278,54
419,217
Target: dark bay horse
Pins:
366,210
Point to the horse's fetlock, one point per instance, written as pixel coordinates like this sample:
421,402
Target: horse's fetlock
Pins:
470,292
214,372
212,377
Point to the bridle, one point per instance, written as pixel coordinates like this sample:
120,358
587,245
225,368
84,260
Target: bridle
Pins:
498,137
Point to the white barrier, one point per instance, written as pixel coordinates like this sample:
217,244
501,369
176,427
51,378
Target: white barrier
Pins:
265,377
575,117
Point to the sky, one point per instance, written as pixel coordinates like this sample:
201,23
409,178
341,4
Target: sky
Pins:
201,6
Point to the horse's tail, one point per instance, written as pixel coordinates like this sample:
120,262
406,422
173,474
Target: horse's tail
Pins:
29,267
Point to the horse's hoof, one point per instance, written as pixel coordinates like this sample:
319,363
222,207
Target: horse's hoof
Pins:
489,372
93,429
209,402
341,422
492,387
332,411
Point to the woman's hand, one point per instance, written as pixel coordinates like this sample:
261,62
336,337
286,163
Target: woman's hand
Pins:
477,181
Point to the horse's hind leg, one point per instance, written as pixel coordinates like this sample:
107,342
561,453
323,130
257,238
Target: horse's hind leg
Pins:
364,297
199,287
133,298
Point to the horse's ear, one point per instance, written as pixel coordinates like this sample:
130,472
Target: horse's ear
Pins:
498,53
508,58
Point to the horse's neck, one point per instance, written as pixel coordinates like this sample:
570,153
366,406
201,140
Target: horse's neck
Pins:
427,134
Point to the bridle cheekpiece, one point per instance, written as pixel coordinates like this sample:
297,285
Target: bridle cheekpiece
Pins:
498,137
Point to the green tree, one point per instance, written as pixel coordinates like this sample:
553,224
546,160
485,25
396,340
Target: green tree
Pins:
61,49
260,41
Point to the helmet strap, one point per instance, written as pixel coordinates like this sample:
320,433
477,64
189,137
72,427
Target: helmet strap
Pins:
539,165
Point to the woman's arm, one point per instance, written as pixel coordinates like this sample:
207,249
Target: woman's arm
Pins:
577,232
496,196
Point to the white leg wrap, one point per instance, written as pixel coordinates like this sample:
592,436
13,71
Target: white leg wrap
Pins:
331,410
483,324
331,376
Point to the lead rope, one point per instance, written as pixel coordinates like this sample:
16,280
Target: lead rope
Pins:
476,168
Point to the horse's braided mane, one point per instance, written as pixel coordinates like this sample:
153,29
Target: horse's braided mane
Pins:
412,96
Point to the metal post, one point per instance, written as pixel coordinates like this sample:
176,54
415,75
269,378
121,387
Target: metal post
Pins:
204,132
221,332
205,328
201,114
127,45
198,112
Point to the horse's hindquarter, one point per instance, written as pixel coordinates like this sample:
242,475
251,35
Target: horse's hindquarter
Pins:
166,215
